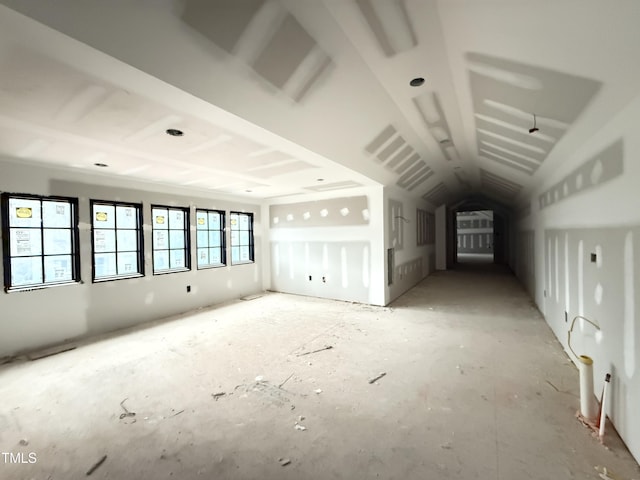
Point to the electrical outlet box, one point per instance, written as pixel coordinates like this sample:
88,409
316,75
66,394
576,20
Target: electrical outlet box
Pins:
594,258
188,288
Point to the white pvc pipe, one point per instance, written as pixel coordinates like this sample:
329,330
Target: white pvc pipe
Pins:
603,407
588,406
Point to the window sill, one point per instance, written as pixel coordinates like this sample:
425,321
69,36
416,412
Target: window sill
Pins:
112,279
209,267
243,263
29,288
175,270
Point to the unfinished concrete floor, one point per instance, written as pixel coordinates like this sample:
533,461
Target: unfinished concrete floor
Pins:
476,386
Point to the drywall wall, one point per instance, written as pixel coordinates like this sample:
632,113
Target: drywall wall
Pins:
32,319
328,245
584,226
409,245
524,260
441,237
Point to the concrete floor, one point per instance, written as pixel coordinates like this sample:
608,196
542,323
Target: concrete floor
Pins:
476,386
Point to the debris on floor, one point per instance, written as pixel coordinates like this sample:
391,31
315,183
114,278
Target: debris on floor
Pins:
284,461
126,413
378,377
553,386
605,474
326,347
217,396
176,414
24,442
318,391
446,446
297,426
288,378
278,396
301,418
96,465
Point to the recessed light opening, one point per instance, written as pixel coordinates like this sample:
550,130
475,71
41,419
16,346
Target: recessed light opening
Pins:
102,165
174,132
320,180
416,82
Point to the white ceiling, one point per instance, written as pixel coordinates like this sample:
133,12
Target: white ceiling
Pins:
286,97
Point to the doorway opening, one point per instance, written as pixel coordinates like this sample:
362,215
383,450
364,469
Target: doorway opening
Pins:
475,234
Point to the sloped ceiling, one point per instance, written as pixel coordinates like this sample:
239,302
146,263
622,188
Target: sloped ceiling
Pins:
286,97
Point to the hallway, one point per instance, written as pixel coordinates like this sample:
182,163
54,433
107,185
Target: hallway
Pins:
476,386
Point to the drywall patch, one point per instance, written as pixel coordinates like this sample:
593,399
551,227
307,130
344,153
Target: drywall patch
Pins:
276,259
396,224
344,274
605,166
322,213
581,278
598,293
365,267
629,307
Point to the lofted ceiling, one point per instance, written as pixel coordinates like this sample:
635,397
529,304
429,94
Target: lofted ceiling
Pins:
282,97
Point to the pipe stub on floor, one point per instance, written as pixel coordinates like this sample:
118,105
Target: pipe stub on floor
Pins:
586,359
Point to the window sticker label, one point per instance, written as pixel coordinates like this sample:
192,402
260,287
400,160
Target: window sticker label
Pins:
24,212
101,216
159,239
160,219
23,242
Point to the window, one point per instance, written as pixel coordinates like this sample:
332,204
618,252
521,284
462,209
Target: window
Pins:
210,240
116,240
241,237
170,239
40,241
